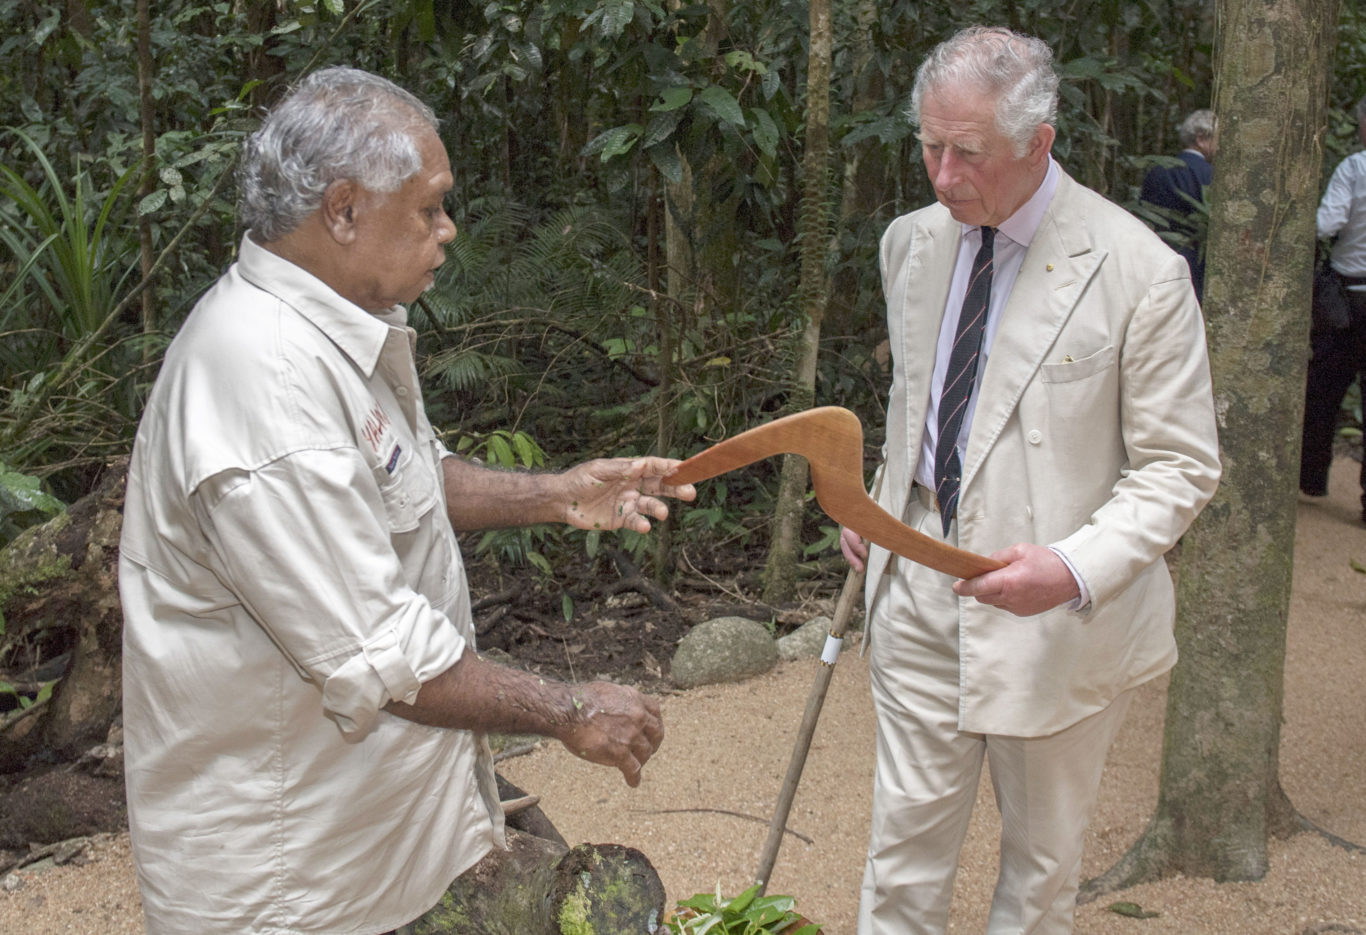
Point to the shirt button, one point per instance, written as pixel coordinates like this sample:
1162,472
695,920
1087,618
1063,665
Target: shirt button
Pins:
402,391
1035,437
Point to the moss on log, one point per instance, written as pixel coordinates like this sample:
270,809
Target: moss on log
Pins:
59,597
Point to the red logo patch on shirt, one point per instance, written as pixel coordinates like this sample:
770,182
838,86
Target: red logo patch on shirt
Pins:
376,427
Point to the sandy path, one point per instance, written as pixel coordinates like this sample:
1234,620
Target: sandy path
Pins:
727,749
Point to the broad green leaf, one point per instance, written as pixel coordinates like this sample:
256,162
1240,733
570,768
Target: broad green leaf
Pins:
1131,910
528,452
723,104
47,26
765,131
739,903
660,128
667,161
672,98
500,452
614,142
744,61
612,17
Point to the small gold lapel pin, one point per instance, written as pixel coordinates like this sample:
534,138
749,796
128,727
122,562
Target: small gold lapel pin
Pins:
1049,267
1067,358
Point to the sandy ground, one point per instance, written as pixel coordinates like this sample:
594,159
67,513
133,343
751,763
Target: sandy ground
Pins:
701,813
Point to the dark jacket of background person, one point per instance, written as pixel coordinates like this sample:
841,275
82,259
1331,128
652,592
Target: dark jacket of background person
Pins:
1175,190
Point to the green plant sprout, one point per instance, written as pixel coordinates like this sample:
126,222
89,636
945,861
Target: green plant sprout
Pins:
746,914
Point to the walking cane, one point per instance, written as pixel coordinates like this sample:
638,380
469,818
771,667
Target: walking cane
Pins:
831,440
844,607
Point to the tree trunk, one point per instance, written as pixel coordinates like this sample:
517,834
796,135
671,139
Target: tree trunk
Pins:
867,184
147,115
1220,796
59,595
667,364
780,572
261,17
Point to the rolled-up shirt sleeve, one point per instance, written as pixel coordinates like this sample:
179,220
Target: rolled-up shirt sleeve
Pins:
307,545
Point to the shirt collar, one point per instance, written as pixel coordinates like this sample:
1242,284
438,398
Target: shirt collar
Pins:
1021,226
359,334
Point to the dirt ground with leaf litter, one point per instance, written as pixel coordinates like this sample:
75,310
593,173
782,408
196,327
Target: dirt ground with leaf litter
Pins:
701,813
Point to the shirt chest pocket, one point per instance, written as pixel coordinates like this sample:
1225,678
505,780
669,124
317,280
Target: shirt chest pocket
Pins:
1077,401
1071,371
407,489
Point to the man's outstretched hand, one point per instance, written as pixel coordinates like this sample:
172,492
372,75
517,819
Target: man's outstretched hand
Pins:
620,493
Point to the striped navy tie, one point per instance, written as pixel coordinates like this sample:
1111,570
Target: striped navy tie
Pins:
959,380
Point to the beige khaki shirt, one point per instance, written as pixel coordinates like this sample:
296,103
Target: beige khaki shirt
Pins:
287,569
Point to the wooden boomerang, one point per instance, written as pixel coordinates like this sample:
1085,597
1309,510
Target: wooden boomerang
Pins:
831,439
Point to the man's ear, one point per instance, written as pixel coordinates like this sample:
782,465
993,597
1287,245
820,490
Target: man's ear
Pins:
338,210
1041,144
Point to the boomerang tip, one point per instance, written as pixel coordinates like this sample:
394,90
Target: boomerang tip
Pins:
687,473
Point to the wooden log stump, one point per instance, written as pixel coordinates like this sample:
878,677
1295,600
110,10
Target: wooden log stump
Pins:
538,887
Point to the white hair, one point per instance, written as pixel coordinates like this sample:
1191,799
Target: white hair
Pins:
1198,124
338,123
1016,70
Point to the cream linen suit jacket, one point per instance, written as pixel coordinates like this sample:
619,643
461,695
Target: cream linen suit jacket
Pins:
1094,431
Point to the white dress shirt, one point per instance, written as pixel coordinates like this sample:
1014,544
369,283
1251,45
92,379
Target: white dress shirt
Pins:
1342,213
287,569
1008,252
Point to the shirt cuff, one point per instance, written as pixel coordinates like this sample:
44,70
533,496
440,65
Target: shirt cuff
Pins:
1082,602
356,692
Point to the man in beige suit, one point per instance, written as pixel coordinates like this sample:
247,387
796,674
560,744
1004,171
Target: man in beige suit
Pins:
1079,443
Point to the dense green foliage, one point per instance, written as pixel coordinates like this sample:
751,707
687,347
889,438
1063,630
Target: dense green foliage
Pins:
572,126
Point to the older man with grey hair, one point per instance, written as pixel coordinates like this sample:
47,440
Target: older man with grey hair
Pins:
1050,389
303,704
1175,188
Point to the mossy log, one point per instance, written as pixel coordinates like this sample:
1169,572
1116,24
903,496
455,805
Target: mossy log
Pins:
62,619
539,887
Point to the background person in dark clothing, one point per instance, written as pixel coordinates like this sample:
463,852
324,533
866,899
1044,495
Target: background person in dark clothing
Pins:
1175,190
1338,354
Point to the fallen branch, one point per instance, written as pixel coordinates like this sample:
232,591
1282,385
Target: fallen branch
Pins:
633,580
721,811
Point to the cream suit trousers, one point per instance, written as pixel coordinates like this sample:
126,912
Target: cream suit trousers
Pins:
928,772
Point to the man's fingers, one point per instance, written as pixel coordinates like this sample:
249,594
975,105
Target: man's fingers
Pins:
652,507
854,549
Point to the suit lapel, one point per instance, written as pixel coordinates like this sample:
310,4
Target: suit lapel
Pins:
929,267
1058,265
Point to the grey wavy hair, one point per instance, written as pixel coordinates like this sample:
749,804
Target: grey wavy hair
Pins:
1015,69
1198,124
338,123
